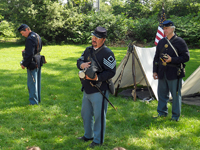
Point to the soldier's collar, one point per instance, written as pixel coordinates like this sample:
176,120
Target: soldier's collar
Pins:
98,47
173,37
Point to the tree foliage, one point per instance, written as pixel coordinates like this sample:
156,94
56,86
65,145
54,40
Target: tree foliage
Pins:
188,27
176,7
73,22
132,8
84,6
6,29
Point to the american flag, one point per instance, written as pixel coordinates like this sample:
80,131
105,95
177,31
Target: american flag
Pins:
160,32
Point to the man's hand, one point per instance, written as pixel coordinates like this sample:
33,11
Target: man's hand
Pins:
23,67
168,60
155,75
95,79
85,65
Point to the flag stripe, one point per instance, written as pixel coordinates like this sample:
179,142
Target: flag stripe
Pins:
160,32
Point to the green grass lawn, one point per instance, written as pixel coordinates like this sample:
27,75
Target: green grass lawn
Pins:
56,122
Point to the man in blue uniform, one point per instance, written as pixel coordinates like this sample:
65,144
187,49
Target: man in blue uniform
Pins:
93,103
31,61
168,67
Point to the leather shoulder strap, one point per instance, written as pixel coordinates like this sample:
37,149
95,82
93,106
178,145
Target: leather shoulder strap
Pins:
38,42
172,45
95,58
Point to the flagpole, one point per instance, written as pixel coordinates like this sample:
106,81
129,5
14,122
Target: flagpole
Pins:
160,32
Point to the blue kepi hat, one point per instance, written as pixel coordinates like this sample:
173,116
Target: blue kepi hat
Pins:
167,23
22,27
100,32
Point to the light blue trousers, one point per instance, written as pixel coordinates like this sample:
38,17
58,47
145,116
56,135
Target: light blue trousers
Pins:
164,87
94,107
34,85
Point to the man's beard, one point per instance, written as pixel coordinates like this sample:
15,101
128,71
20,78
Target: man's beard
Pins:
94,44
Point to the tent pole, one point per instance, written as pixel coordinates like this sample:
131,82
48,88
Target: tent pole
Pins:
121,74
134,74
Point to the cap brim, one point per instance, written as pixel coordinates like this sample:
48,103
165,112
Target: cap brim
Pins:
168,25
98,36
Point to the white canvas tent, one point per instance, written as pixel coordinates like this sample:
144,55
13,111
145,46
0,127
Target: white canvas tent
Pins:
192,84
137,68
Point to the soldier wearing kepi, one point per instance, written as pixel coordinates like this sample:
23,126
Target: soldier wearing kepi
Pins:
32,61
168,67
94,104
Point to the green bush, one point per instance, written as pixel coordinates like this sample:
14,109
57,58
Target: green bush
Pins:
78,27
143,29
188,27
116,25
73,23
6,29
59,24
